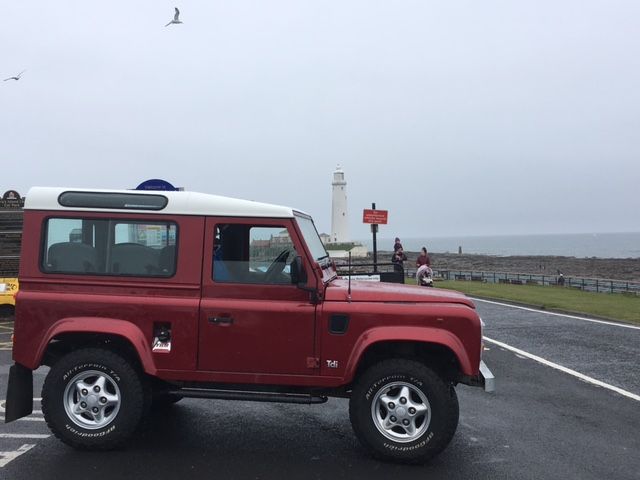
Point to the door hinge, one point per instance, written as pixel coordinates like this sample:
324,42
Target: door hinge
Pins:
313,362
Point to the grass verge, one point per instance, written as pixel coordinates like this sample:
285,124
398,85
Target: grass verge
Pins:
614,306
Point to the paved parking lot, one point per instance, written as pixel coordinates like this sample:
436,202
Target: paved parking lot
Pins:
6,329
542,423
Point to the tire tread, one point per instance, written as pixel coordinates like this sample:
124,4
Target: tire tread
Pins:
95,355
418,369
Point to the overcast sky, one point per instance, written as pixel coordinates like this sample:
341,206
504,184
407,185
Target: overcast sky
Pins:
459,117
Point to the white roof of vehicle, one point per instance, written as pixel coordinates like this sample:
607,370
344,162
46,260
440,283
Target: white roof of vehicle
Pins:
179,203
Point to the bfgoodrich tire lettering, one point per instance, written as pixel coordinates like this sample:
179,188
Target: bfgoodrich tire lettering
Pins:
118,400
402,411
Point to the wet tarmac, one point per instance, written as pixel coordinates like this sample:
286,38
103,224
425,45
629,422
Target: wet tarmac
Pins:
540,424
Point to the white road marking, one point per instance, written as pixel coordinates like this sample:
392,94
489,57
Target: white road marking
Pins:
26,419
6,457
3,406
536,310
579,375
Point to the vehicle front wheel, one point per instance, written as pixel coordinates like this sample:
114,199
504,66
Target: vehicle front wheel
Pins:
402,411
92,399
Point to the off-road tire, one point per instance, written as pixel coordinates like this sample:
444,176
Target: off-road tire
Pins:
127,418
441,397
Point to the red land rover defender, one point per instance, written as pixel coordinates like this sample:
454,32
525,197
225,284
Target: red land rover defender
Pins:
134,298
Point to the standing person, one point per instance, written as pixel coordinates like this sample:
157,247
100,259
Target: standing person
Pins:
424,273
397,245
398,260
423,259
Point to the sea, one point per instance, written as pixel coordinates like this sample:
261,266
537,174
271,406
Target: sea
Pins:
579,245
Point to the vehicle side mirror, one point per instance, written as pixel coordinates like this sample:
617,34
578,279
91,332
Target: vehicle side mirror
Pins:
298,273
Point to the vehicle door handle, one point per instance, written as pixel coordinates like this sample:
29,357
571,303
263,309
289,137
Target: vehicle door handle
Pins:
221,320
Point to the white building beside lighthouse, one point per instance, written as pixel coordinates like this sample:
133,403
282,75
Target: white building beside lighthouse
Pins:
339,215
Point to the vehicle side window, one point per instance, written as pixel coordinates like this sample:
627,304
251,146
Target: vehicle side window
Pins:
109,247
252,254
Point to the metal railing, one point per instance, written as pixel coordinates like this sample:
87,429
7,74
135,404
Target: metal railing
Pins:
582,283
599,285
387,271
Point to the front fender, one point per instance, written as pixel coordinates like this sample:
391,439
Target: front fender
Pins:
410,334
107,326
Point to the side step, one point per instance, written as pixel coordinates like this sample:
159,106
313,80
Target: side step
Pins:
249,396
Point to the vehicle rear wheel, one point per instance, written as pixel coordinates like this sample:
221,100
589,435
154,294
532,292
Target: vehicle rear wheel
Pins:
402,411
92,399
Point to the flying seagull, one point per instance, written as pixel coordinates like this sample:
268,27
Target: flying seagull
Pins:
176,18
17,77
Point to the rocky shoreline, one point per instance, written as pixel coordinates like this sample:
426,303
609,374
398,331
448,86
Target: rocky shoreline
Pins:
604,268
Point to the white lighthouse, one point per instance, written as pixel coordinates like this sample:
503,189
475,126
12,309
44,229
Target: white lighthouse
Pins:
339,216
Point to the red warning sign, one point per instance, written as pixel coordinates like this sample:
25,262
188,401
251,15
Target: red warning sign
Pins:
378,217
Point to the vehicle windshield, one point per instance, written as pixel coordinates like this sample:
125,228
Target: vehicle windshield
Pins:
312,238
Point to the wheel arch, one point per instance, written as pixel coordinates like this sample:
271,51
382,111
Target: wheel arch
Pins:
71,333
437,348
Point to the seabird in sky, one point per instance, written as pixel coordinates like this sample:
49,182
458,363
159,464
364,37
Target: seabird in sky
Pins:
17,77
175,18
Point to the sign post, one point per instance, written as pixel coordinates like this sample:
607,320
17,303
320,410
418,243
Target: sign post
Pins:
374,231
375,217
